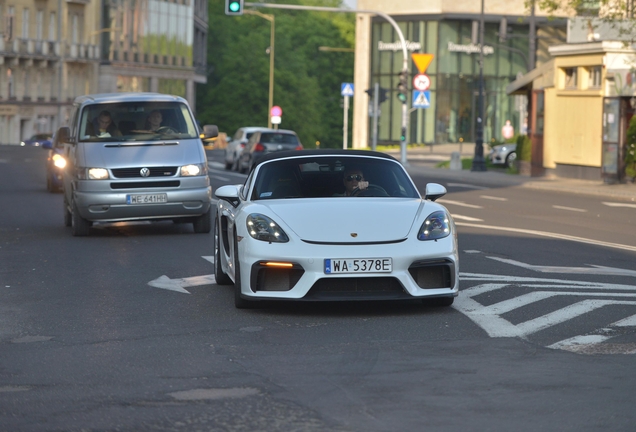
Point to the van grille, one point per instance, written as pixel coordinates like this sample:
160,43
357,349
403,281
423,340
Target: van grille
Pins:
145,185
136,172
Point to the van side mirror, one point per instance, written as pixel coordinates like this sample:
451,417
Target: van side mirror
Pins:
210,131
62,136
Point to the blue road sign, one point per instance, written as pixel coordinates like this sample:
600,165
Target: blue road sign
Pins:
422,99
346,89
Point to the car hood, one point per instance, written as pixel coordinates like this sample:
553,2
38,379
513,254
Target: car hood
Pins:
348,220
169,153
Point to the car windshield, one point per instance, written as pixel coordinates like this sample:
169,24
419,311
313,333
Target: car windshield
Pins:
136,121
315,177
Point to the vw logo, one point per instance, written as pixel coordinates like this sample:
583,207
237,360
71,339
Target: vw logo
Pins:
145,172
354,235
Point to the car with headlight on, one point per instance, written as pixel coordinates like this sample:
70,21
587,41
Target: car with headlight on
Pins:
297,230
134,157
503,154
55,164
37,140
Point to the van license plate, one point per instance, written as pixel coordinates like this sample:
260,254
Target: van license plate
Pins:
147,198
359,265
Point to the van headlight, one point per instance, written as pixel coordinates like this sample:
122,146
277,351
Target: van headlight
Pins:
92,173
436,226
194,170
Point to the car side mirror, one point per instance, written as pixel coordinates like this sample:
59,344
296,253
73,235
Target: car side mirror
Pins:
62,136
210,131
229,193
434,191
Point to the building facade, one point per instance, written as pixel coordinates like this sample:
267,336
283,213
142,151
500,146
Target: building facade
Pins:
51,52
450,32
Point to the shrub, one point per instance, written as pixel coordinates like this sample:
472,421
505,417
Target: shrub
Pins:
630,149
524,148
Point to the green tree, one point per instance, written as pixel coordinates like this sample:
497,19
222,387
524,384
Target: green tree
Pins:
306,80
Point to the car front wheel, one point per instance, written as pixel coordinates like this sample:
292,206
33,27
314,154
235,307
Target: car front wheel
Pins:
219,274
80,227
239,302
203,224
511,158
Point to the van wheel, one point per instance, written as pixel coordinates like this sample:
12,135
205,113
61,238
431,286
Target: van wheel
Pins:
80,227
67,215
49,184
203,224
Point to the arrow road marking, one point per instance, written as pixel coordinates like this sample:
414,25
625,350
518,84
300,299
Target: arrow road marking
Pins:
594,269
179,285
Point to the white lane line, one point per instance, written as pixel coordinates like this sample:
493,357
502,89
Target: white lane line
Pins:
465,185
627,322
593,269
494,325
467,218
216,165
494,198
565,314
535,296
611,204
220,178
579,340
551,235
569,209
458,203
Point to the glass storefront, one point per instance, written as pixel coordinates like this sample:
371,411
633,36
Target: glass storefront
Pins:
454,76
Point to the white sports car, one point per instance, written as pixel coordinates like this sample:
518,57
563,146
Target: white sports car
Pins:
334,225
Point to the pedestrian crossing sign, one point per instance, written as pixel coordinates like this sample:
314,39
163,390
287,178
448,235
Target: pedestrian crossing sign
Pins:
346,89
422,99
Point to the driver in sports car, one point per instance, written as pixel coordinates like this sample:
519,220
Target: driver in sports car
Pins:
353,181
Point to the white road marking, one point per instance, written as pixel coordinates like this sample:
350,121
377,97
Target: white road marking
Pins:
465,185
220,178
458,203
216,165
612,204
569,209
470,251
467,218
209,258
551,235
627,322
579,340
494,198
594,269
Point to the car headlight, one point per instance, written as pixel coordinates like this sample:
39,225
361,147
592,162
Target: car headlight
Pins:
263,228
59,161
92,173
436,226
194,170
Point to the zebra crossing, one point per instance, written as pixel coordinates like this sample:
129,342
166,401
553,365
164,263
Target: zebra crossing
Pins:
583,298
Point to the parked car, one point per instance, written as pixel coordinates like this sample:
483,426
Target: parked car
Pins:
292,232
503,154
236,144
55,164
121,167
267,141
37,140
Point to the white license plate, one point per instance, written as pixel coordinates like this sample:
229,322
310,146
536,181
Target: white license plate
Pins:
147,198
359,265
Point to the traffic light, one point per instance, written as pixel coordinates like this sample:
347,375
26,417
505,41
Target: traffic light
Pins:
402,88
234,7
383,94
403,134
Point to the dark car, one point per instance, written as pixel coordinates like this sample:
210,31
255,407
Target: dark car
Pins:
267,141
37,140
55,163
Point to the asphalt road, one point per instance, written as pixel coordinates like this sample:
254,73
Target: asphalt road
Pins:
542,336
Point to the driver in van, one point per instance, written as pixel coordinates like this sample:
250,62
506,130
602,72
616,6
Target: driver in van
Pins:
153,122
103,126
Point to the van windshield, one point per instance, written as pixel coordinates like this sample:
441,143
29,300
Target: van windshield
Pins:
136,121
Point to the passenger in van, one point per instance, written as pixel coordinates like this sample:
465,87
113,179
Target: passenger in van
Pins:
103,126
153,122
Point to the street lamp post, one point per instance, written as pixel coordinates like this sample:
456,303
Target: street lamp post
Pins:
479,164
269,18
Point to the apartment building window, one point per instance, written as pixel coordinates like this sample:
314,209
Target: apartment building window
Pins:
9,25
75,29
571,81
595,77
10,86
39,25
25,23
52,26
27,86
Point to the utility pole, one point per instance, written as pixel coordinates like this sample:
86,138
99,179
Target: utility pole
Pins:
479,164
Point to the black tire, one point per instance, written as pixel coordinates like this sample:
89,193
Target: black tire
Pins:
68,221
219,274
239,302
439,301
80,227
511,158
203,224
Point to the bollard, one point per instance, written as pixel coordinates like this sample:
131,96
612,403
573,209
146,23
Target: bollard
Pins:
456,161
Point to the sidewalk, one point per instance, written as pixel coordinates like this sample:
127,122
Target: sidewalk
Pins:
423,160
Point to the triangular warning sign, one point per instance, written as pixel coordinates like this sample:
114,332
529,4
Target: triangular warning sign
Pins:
422,61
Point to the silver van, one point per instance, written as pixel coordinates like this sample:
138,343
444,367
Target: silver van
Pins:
131,157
